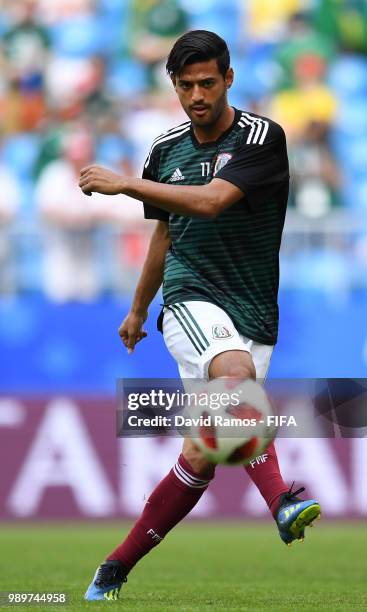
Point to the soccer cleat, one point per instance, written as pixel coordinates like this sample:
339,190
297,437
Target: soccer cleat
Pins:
107,582
294,515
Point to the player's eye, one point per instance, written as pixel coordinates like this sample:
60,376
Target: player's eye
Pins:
185,85
208,83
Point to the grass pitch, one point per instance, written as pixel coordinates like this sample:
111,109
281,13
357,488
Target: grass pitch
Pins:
198,567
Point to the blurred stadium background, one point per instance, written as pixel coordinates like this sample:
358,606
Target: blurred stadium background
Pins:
84,80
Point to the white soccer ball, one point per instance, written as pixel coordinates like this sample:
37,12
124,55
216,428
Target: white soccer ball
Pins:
232,422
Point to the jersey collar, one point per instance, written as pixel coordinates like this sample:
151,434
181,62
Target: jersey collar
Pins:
223,136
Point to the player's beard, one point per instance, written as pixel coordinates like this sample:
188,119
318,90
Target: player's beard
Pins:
212,115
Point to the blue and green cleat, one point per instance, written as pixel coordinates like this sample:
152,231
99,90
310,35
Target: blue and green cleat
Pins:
294,514
107,582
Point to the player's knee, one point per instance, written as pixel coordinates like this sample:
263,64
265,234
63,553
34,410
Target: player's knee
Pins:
232,365
194,457
241,371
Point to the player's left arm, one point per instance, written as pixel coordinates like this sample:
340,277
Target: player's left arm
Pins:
206,201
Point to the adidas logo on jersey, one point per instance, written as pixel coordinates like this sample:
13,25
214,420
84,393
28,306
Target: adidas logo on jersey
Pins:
177,176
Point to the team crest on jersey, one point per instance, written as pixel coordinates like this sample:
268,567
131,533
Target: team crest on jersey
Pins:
221,332
221,161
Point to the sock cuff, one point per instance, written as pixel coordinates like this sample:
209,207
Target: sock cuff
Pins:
185,474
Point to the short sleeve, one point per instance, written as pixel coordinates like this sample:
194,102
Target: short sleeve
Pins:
258,169
150,172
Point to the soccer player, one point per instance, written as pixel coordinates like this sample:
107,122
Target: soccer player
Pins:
217,186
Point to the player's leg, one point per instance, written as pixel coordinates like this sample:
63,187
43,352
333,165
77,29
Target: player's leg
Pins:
173,498
194,333
178,493
291,514
229,354
210,347
265,475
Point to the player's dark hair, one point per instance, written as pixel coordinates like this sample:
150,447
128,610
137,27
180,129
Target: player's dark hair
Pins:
198,46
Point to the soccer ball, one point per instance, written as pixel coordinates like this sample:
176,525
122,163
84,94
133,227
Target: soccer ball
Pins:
232,421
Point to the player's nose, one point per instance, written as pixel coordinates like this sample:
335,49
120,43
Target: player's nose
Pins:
197,94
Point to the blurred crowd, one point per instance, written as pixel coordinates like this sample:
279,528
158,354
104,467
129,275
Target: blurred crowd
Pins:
84,80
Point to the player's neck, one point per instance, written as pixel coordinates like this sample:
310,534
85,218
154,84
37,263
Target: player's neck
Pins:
213,132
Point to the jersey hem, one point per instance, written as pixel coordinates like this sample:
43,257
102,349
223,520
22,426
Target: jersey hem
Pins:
243,331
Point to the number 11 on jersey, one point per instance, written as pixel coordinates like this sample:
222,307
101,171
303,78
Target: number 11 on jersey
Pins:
205,168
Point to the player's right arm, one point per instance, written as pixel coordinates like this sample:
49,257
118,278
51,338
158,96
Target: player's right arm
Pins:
131,329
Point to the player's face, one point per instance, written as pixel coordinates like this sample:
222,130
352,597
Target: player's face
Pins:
202,91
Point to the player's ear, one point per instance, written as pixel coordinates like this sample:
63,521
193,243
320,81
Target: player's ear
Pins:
229,77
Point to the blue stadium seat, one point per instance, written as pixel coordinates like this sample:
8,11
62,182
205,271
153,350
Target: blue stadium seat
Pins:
354,192
111,148
117,41
5,22
20,153
361,194
217,16
357,154
126,77
78,37
115,6
114,18
321,269
348,76
352,117
255,72
352,154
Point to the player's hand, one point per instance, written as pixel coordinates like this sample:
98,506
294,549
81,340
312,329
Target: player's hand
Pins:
131,330
100,180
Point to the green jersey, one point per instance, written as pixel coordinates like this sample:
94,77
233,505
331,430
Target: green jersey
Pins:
232,260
